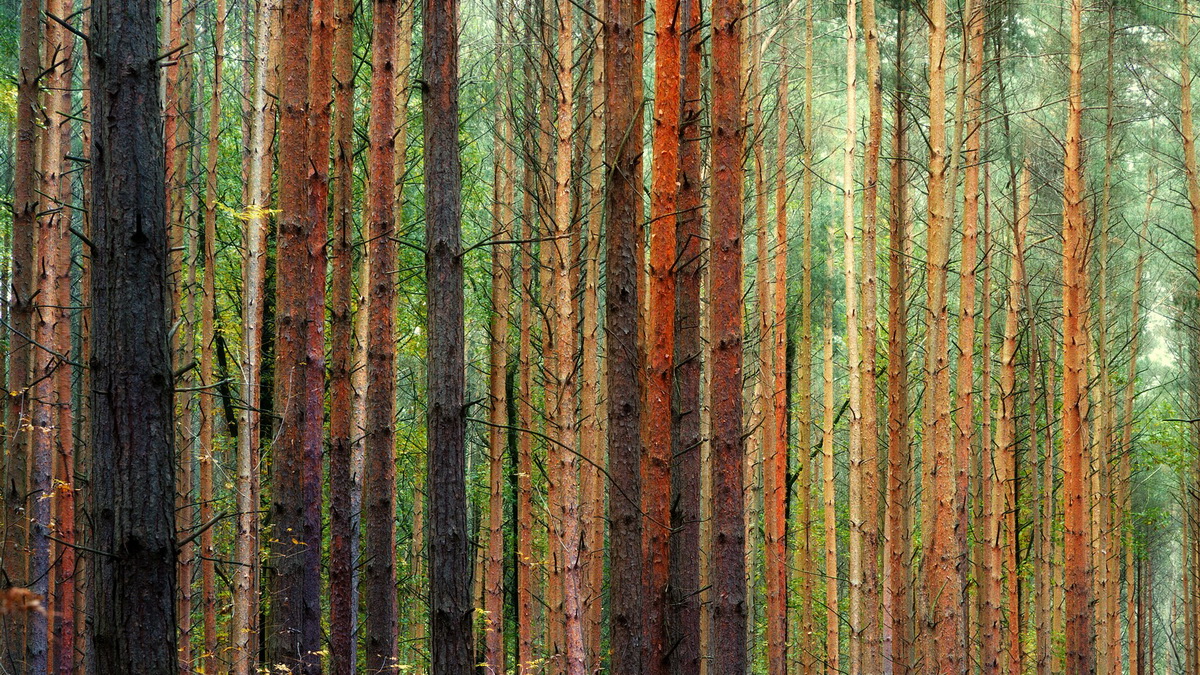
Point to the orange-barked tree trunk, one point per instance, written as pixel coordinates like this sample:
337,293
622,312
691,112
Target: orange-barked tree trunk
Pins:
729,605
1080,657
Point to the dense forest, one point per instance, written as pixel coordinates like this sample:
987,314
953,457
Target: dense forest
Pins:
582,336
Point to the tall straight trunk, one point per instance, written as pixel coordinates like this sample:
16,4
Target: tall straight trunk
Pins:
1124,499
526,660
970,115
684,603
591,429
502,215
179,196
59,295
449,596
379,487
342,608
806,644
1080,657
660,332
776,468
729,605
296,466
985,424
623,149
1186,125
996,462
133,588
940,560
562,348
898,634
832,614
25,205
871,660
39,493
849,264
1108,586
208,305
254,282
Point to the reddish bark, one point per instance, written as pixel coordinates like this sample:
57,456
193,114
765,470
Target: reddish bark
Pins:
729,604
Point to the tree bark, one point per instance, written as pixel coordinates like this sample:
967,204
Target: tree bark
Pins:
449,574
379,487
729,605
295,581
660,332
898,634
133,584
623,145
1080,657
342,608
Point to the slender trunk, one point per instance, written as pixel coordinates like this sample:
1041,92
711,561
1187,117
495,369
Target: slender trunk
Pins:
25,209
857,538
871,658
133,590
1080,657
498,364
969,116
776,469
255,264
899,631
591,433
208,305
660,333
565,514
623,109
296,467
342,608
379,487
729,605
832,615
1125,501
686,481
940,560
59,294
805,567
40,493
450,600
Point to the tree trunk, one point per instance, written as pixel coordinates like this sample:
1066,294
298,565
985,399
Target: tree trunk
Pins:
684,603
296,465
208,305
342,608
729,605
133,586
806,645
502,217
379,488
449,574
1080,657
565,514
940,560
622,41
898,632
660,332
970,117
829,494
870,657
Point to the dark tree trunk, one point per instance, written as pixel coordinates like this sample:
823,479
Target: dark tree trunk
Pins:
622,48
133,582
295,565
449,563
684,620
